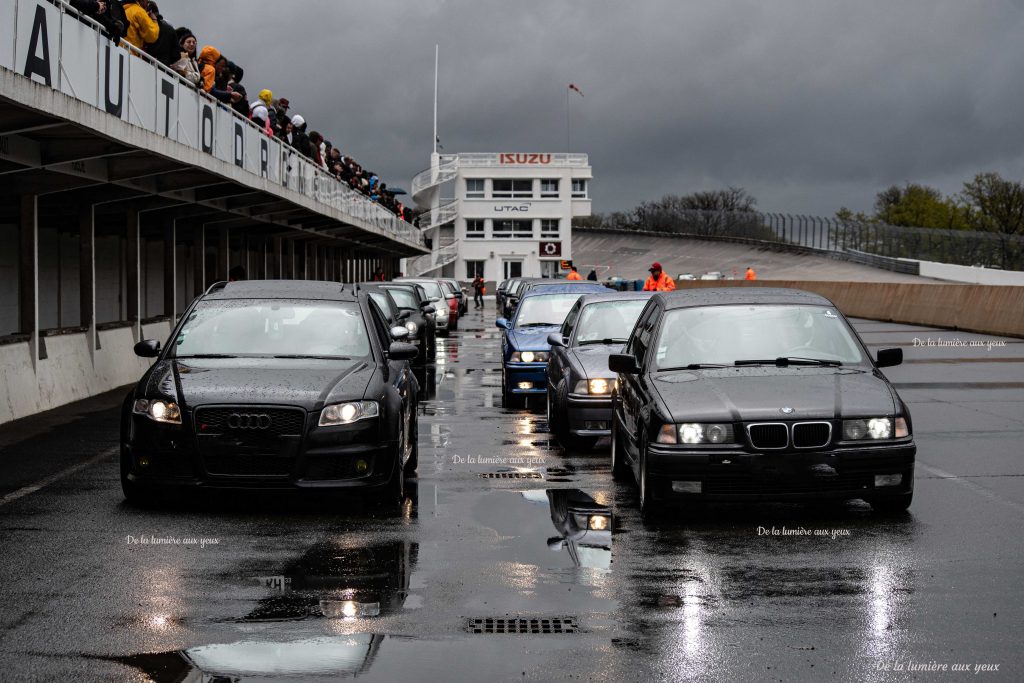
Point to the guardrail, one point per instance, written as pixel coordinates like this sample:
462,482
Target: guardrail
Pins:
53,44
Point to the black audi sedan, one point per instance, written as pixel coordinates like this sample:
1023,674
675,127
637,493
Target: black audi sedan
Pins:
579,405
273,385
757,394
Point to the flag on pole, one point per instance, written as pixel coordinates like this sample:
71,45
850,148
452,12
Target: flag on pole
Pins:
572,86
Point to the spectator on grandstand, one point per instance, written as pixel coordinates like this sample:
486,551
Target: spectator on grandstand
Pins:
242,105
315,140
187,66
300,140
101,12
165,48
141,28
213,67
261,111
281,118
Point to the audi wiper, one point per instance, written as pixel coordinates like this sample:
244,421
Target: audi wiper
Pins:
207,355
303,355
784,361
602,341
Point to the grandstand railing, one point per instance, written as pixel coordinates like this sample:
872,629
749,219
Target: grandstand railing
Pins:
53,44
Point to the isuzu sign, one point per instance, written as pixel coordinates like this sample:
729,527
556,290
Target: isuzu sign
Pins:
525,159
550,248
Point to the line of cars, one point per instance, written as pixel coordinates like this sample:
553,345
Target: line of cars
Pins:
731,394
286,385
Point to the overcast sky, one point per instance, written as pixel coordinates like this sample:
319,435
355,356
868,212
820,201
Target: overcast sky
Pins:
808,105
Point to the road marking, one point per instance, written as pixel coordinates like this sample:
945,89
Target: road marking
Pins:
981,490
26,490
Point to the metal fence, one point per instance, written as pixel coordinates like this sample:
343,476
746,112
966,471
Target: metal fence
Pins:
817,233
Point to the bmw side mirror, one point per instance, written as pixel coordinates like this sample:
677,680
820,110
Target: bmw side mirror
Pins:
556,339
402,351
502,323
889,357
429,310
623,363
147,348
404,314
399,332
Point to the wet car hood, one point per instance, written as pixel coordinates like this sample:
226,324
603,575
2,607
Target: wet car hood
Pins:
309,383
593,359
530,338
760,393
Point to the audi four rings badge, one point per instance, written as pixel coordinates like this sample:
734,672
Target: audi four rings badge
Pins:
249,421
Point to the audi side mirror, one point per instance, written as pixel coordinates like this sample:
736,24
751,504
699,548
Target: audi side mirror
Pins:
429,310
399,332
623,363
889,357
404,314
147,348
402,351
502,323
556,339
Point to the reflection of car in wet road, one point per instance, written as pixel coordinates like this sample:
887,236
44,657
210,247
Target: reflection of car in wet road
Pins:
579,405
584,527
273,385
524,344
739,394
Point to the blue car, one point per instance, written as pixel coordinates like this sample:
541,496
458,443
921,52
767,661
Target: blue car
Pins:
524,345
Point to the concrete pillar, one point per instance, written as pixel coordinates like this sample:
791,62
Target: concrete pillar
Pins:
28,280
170,268
264,258
199,252
133,271
87,273
223,255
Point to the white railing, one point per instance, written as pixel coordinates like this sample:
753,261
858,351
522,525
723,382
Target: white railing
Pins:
445,213
80,61
446,170
421,265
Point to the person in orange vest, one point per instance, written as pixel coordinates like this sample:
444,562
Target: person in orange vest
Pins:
573,275
751,275
659,281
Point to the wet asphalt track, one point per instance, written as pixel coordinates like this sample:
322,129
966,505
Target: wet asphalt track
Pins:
709,599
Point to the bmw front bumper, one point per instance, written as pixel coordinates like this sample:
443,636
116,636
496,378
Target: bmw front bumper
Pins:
536,374
589,415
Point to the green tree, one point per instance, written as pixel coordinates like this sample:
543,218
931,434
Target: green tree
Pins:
920,206
997,205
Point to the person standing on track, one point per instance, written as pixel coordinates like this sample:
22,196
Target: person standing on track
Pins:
478,291
573,274
659,281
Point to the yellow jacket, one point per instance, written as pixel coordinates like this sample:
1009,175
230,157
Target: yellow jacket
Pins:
142,30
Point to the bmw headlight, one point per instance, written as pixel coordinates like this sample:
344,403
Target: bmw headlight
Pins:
347,413
412,327
158,410
529,357
594,387
875,428
695,433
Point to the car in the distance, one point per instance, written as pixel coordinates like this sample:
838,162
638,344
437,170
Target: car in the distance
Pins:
439,298
460,292
273,385
415,313
742,394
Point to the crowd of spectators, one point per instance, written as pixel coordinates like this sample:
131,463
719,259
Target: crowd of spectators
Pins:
140,25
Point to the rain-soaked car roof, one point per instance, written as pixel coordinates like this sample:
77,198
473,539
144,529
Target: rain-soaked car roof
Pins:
568,288
283,289
594,297
689,298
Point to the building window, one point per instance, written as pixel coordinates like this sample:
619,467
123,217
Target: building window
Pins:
474,229
512,189
474,268
474,188
579,188
549,228
548,188
513,228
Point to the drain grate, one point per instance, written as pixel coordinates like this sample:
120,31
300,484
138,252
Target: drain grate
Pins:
510,475
524,625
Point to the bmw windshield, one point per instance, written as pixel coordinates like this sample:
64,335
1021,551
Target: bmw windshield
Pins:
272,328
544,310
752,335
608,321
404,298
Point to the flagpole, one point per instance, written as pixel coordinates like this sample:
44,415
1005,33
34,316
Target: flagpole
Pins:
437,51
568,125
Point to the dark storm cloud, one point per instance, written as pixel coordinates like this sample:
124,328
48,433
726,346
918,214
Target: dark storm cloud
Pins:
809,105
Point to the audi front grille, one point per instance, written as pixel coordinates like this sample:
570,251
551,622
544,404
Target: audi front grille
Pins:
250,419
249,441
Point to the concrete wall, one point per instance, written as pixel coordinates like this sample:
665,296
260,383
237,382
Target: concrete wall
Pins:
978,308
70,372
979,276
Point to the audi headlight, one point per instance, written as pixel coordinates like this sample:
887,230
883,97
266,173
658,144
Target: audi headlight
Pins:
347,413
694,433
529,357
875,428
412,327
158,410
594,387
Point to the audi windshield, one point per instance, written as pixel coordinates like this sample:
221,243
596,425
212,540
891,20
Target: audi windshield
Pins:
273,328
751,335
548,309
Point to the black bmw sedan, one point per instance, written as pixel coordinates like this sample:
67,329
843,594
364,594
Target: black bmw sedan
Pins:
757,393
416,313
579,405
281,385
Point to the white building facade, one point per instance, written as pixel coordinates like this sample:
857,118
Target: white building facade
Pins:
500,215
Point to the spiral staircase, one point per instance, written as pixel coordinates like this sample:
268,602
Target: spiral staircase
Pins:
438,212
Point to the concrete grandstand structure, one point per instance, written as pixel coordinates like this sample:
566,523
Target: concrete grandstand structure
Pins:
126,193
